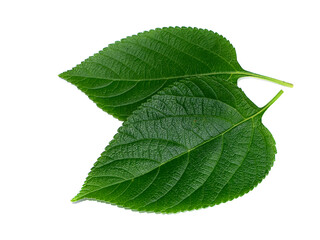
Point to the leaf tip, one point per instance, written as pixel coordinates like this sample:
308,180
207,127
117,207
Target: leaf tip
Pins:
75,199
62,75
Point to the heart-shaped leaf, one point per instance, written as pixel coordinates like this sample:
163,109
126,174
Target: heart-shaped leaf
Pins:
195,144
127,73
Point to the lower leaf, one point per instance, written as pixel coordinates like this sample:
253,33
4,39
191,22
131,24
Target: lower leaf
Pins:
195,144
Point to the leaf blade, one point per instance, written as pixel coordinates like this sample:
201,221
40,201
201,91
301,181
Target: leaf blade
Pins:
166,173
127,73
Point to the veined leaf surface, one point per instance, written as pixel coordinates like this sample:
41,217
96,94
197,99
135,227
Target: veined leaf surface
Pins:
127,73
195,144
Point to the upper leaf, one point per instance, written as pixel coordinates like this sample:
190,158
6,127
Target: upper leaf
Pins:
196,144
125,74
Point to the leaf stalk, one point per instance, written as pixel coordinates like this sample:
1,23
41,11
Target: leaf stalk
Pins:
270,79
273,100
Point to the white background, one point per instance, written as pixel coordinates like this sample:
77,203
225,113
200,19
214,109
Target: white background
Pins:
51,133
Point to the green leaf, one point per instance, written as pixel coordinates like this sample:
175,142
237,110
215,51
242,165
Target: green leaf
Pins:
127,73
195,144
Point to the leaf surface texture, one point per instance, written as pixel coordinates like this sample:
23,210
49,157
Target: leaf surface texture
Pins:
195,144
127,73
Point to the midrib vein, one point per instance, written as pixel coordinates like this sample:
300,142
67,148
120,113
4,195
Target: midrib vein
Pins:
228,130
81,196
67,76
163,78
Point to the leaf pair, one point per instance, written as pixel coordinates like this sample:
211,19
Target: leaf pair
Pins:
191,138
